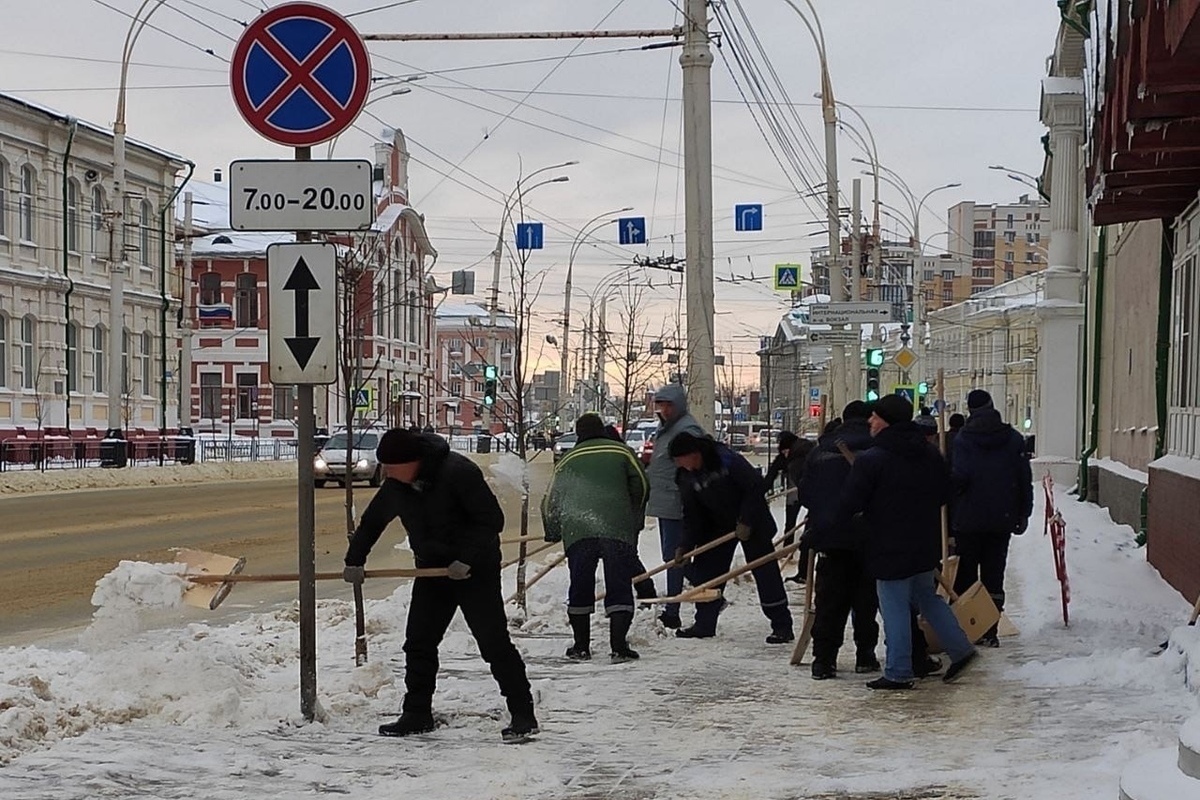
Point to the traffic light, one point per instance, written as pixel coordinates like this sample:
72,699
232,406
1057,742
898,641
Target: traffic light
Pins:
814,410
922,391
874,359
490,376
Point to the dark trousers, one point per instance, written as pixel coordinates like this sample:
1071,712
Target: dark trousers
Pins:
791,513
434,601
767,580
982,556
619,560
844,587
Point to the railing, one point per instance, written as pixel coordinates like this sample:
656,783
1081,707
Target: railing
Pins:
246,449
42,453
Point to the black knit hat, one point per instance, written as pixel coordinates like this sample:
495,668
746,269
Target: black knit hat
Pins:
399,446
684,444
892,409
786,440
856,409
978,399
589,426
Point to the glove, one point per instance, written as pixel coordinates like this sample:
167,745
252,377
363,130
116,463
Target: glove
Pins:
680,559
1020,527
459,571
552,537
355,575
743,532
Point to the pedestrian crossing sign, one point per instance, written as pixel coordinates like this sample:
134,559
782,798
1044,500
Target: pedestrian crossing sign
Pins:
363,399
787,277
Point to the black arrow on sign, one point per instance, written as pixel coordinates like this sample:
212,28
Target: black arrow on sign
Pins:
301,281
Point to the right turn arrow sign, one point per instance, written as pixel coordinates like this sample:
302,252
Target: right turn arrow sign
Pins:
302,334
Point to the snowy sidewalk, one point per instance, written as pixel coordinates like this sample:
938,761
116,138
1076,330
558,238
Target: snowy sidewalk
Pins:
206,712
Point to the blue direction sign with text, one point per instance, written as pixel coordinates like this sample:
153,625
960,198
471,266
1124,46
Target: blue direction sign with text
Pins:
631,230
529,236
748,217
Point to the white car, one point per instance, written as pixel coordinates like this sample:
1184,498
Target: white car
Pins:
636,439
330,463
563,445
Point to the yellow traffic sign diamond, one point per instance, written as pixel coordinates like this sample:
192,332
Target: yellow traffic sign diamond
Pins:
905,358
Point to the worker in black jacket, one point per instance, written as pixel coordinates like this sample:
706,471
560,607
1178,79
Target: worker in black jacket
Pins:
453,520
721,492
793,451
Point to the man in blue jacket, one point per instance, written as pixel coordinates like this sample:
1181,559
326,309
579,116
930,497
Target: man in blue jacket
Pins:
899,487
721,492
994,482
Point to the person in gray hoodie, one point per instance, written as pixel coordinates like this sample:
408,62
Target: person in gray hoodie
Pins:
670,404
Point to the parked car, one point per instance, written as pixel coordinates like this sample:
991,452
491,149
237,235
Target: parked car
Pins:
563,445
330,462
636,439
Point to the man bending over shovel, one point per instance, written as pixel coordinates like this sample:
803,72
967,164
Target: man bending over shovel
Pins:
454,521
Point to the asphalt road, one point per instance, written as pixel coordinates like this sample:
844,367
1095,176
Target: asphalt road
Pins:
56,546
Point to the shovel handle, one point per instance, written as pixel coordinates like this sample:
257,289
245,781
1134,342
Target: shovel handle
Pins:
728,576
285,577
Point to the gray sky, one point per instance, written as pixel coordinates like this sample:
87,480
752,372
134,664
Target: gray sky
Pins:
948,87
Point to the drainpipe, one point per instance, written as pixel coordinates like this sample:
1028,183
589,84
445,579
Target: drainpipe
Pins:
1097,350
166,300
72,126
1162,352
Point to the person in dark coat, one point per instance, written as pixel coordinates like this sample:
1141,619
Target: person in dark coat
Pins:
899,487
453,520
721,492
595,506
793,451
994,483
843,585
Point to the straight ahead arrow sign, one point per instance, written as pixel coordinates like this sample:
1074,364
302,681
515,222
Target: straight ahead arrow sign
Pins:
301,281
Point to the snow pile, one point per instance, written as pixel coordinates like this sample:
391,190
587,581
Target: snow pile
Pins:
57,480
510,474
124,595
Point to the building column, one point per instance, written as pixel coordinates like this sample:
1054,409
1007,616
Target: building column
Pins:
1060,311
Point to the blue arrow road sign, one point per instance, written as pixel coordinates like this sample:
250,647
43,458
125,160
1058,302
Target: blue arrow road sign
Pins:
631,230
529,236
748,217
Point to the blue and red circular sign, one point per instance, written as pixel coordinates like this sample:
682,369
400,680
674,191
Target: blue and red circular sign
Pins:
300,74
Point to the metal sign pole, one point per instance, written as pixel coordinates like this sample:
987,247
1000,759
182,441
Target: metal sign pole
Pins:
305,453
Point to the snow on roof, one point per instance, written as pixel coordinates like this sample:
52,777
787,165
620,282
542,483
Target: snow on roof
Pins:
237,243
100,129
470,313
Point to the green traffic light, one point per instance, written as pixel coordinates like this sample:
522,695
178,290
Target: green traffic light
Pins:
872,395
874,357
923,387
489,400
490,373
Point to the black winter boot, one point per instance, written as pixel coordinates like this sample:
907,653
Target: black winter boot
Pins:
824,670
409,724
581,626
524,725
618,629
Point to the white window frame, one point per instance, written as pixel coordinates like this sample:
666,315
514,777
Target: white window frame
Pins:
26,205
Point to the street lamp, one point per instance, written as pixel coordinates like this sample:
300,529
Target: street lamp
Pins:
518,193
589,227
118,263
395,92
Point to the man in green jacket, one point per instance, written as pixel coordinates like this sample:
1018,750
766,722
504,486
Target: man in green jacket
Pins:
595,507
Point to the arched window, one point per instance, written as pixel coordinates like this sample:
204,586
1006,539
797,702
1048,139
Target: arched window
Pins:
210,289
146,234
99,338
246,295
3,204
72,216
3,350
28,351
25,203
147,363
97,221
72,357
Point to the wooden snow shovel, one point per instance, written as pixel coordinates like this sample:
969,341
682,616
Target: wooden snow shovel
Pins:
974,609
810,613
704,548
704,594
205,580
208,594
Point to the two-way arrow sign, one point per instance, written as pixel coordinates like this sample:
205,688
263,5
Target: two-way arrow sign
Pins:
302,338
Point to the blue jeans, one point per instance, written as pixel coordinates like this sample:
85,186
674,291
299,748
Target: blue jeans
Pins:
670,531
896,598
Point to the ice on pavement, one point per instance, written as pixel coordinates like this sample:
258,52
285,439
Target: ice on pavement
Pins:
1054,713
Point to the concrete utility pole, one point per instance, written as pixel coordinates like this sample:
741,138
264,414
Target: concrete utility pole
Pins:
696,63
837,281
185,325
854,368
116,267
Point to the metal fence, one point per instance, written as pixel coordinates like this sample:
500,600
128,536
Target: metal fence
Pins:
246,449
63,452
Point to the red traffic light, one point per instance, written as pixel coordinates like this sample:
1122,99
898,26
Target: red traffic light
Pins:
814,410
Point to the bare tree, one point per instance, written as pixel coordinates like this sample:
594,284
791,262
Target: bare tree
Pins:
42,390
628,350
